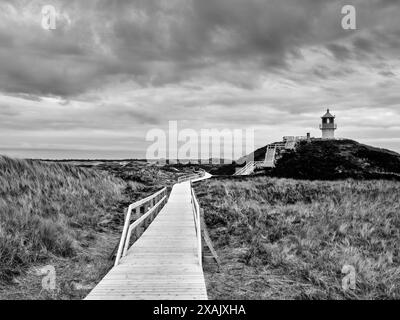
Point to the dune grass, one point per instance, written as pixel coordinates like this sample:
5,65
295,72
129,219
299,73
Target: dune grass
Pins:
50,210
289,239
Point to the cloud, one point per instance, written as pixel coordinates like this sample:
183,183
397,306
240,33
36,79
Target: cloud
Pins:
150,42
340,52
364,44
112,65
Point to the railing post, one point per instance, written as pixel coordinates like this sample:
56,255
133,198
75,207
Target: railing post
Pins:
138,229
201,216
145,209
137,210
196,214
123,236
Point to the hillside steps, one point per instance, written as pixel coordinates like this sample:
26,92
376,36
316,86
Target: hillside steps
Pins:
269,161
288,143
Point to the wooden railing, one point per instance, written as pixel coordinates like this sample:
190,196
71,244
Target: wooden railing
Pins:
247,167
197,223
145,211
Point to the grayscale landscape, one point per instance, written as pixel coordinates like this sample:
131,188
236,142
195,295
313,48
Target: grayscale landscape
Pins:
199,150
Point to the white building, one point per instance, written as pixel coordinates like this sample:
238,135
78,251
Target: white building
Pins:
328,126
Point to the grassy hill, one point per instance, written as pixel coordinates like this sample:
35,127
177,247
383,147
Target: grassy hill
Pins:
289,239
50,212
335,159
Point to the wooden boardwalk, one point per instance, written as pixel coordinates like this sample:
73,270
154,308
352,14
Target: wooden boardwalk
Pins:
163,263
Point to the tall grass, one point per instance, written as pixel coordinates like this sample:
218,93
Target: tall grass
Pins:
49,209
291,238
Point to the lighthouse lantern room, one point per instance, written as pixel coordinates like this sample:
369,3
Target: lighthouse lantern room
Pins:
328,126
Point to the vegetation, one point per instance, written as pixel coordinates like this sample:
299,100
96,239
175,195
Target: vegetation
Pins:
321,159
50,210
277,238
219,168
148,175
338,159
66,216
288,239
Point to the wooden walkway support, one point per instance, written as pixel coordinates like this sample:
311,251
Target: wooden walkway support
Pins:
165,261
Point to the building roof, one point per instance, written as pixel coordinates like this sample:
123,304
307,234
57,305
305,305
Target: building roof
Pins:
327,114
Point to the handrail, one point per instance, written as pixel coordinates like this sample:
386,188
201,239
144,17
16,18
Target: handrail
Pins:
197,222
152,208
138,222
245,168
251,164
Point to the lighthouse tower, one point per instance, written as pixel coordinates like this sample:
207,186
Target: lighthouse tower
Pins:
328,126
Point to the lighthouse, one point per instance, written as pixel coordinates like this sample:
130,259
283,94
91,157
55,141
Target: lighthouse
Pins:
328,126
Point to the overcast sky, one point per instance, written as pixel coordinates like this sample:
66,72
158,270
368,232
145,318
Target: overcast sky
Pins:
112,70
